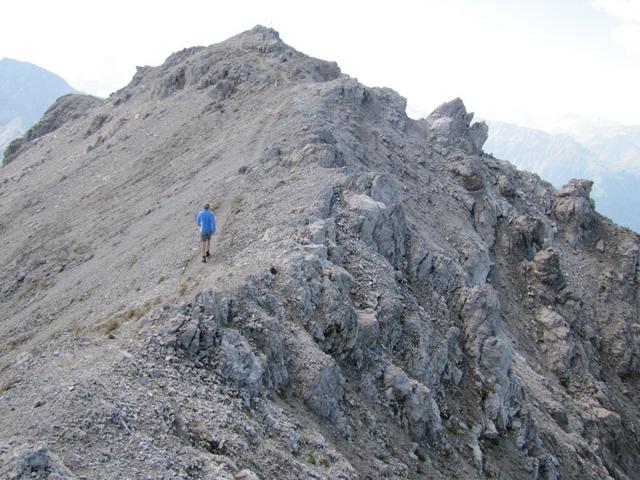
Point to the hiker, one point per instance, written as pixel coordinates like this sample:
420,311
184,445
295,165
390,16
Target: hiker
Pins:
206,220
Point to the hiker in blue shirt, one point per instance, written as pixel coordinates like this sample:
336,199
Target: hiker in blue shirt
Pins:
206,220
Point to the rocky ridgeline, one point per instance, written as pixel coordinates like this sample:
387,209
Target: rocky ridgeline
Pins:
410,307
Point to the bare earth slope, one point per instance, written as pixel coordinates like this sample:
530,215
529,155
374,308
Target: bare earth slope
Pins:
384,300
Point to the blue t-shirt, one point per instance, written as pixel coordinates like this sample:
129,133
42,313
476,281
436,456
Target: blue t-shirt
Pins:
206,220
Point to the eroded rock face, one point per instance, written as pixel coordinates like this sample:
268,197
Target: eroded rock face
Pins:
574,209
450,123
491,351
546,268
380,219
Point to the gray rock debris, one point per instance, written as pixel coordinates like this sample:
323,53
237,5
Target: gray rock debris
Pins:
39,462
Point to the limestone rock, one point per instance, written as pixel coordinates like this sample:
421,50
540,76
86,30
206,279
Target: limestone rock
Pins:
237,362
574,209
419,408
546,268
451,121
246,474
39,462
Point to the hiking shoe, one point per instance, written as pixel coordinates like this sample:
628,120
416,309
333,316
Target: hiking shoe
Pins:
208,255
204,259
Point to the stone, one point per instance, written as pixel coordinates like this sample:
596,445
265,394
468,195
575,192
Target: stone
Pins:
368,328
574,210
419,408
190,337
246,474
469,175
452,122
546,269
380,225
506,186
237,362
213,303
39,461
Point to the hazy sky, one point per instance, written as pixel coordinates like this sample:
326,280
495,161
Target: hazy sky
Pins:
530,62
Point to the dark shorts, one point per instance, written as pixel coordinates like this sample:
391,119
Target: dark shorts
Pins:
204,236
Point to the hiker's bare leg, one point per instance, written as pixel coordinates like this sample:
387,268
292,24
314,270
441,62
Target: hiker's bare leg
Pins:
207,247
204,247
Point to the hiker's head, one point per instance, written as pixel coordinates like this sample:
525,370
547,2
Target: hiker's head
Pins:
206,206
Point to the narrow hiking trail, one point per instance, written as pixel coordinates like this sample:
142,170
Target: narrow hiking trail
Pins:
198,275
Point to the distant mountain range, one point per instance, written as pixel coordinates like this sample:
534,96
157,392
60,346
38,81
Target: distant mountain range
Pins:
26,91
605,152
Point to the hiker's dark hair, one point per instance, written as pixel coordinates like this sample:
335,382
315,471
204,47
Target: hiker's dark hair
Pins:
206,206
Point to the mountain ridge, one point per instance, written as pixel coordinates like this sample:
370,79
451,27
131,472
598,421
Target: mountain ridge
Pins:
384,299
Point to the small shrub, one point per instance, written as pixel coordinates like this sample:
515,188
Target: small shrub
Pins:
332,329
312,459
9,385
110,324
236,205
454,428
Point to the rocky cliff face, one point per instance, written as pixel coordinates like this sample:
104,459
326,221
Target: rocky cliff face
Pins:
384,300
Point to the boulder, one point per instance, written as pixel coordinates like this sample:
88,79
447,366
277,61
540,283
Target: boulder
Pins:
237,363
39,462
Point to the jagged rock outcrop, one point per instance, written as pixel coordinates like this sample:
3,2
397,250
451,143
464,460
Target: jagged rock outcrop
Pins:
384,300
451,124
575,209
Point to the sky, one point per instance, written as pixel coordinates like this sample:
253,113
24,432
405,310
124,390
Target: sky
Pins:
537,63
